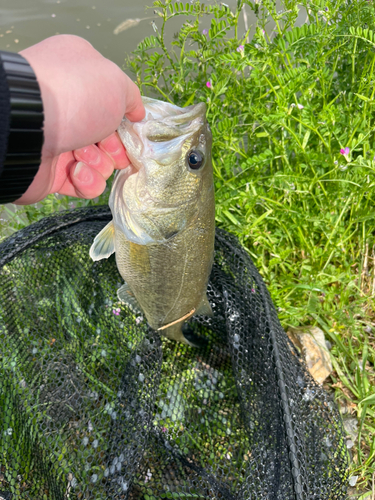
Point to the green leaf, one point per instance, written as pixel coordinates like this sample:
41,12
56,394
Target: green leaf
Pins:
190,100
305,139
259,219
231,217
363,97
369,399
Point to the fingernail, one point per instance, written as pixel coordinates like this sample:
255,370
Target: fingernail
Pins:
90,154
83,173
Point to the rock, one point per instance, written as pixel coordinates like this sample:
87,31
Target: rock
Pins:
353,480
351,427
310,341
349,444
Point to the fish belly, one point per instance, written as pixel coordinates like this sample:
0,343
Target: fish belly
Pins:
169,280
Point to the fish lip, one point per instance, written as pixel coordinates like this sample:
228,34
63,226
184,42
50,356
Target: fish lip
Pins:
180,121
171,113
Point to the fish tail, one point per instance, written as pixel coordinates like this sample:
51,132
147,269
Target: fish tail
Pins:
185,334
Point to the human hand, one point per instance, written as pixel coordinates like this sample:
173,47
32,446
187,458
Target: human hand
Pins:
85,97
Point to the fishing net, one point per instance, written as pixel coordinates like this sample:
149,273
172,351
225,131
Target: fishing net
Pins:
95,405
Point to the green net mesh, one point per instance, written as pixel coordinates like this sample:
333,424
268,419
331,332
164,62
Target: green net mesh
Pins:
95,405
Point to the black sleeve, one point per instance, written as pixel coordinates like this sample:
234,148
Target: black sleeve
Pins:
21,126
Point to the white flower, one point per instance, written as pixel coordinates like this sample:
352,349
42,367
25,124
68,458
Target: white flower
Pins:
148,476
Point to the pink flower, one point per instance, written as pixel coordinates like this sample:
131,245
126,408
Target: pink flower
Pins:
163,429
205,32
208,84
241,48
344,151
116,311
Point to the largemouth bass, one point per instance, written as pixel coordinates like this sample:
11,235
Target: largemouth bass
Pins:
163,225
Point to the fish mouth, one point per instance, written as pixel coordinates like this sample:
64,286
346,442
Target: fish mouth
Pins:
172,114
162,132
165,122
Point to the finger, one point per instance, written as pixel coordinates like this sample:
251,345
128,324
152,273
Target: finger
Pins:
61,166
135,110
95,158
83,182
114,148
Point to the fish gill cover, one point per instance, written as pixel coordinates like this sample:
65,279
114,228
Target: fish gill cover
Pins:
96,405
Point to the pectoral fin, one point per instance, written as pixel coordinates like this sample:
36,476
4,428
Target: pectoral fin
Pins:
104,243
204,308
125,294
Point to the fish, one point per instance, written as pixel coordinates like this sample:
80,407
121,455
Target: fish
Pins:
163,226
128,23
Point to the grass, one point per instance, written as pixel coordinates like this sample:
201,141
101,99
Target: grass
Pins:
281,109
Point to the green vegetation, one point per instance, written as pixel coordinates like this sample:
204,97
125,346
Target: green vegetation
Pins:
293,120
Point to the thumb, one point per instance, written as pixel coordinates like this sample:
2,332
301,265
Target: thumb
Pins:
134,108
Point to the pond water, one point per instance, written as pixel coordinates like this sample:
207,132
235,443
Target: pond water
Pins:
25,22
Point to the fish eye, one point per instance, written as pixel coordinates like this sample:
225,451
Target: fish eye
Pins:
195,160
